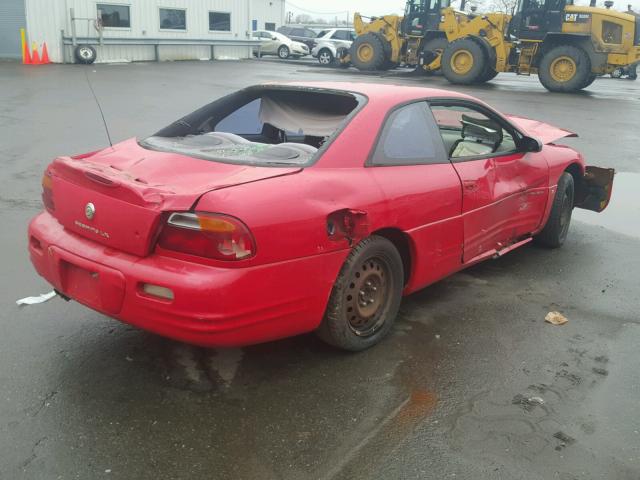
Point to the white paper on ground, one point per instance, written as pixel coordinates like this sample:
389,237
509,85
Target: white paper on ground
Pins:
39,299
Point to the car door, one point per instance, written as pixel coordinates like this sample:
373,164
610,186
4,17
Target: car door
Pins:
421,190
503,187
270,43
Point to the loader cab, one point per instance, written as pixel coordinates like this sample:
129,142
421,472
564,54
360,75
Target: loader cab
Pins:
421,16
533,19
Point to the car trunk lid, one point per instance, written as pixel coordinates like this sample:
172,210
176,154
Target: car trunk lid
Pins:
117,196
542,131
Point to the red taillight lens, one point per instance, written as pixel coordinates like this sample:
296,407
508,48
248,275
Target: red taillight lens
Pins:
47,192
209,235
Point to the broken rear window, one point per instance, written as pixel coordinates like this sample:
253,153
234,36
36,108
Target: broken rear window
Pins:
260,126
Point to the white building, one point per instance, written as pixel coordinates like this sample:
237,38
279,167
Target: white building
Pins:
138,29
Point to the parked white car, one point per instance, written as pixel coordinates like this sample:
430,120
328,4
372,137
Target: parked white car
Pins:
274,43
328,42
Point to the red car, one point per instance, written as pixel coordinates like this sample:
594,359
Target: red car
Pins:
288,208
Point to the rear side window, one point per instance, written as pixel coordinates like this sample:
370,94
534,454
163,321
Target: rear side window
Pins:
409,137
341,35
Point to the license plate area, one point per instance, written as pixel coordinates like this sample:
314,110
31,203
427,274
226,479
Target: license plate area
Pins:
90,283
78,282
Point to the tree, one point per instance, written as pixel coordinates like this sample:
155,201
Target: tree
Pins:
504,6
303,18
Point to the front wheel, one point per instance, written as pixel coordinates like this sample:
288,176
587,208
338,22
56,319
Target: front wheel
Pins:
325,57
283,52
366,297
464,61
556,229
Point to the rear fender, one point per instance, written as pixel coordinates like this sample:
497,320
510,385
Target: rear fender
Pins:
595,191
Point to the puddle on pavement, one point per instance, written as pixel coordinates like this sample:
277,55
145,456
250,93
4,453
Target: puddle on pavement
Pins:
623,213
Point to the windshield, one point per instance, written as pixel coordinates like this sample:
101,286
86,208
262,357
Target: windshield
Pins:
270,127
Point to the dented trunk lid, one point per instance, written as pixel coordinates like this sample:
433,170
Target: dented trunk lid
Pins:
117,196
542,131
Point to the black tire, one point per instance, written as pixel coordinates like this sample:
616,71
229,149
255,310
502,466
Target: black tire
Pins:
366,297
283,52
325,57
456,57
488,74
556,229
341,53
590,80
85,54
373,45
436,46
576,63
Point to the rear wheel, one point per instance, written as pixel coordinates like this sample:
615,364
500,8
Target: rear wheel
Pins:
590,80
564,69
368,52
366,297
283,52
463,61
556,229
617,73
325,57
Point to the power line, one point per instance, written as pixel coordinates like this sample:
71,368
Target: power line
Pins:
315,12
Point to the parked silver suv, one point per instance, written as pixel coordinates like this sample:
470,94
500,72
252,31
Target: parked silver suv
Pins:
329,41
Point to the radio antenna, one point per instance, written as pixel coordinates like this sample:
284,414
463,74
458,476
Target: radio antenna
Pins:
104,122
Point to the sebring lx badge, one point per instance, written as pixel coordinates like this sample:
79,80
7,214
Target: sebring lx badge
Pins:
90,212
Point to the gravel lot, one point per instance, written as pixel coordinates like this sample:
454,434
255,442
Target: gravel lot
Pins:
472,384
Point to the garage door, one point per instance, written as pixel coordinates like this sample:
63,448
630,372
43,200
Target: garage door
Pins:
11,21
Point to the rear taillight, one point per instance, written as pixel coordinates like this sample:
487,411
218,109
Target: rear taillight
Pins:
47,192
209,235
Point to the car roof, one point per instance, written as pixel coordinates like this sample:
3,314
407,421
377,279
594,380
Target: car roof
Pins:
379,92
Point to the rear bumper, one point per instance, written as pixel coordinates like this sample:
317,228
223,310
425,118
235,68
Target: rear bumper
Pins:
212,306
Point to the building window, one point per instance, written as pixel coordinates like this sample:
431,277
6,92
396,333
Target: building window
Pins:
220,21
173,19
114,15
270,26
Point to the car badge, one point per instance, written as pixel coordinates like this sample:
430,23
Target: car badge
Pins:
90,211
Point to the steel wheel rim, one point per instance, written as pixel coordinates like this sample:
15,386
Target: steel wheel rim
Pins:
367,296
462,62
324,57
85,53
365,52
563,69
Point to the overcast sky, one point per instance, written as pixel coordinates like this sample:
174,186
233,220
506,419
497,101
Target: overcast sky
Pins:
328,9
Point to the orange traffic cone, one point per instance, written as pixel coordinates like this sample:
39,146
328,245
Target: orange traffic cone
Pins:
26,55
35,57
45,54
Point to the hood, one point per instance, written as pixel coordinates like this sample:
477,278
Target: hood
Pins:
542,131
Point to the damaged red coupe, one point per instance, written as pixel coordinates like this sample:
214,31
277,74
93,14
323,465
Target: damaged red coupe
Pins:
284,209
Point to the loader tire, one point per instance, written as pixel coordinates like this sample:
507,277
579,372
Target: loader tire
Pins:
590,80
368,53
464,61
565,69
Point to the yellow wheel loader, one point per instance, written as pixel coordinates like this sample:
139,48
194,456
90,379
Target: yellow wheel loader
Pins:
566,45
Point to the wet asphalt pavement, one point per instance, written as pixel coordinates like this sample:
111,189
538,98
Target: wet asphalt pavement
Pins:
472,383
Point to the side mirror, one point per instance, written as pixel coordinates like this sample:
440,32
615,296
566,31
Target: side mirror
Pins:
530,144
273,37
